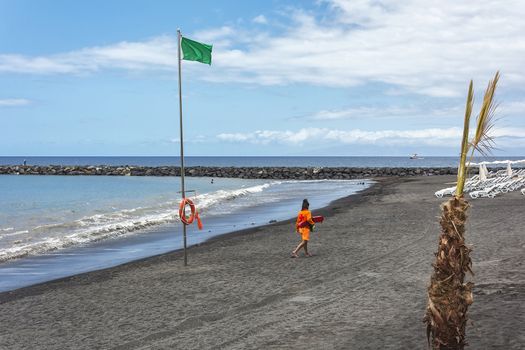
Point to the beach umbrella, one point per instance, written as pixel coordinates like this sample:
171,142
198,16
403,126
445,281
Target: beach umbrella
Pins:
482,172
509,169
486,170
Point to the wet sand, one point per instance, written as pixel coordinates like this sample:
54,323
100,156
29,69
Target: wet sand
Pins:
364,288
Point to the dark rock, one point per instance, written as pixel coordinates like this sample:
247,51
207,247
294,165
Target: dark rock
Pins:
299,173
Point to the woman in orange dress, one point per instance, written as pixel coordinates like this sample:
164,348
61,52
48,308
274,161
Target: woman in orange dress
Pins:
303,226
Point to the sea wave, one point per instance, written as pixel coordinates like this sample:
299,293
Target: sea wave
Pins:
102,226
10,234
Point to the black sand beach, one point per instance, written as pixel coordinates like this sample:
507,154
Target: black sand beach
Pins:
365,287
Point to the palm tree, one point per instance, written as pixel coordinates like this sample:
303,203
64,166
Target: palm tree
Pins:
448,295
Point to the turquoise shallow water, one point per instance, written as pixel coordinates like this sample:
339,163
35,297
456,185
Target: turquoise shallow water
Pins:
56,226
43,213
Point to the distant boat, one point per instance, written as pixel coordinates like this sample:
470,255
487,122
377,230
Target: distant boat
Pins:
415,156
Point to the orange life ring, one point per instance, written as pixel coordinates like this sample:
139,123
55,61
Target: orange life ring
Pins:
194,213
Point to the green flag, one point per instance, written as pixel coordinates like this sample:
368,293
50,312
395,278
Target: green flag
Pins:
195,51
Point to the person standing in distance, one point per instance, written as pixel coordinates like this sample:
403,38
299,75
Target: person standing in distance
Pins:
303,225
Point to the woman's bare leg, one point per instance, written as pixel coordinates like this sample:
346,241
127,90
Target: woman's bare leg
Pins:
294,253
306,249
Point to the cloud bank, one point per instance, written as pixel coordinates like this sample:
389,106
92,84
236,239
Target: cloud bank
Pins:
431,136
426,47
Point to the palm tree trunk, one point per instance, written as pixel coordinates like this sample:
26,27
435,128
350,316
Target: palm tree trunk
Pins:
448,295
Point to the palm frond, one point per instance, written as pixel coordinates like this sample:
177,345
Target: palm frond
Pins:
462,173
483,142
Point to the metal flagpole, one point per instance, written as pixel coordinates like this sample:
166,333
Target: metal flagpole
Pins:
179,38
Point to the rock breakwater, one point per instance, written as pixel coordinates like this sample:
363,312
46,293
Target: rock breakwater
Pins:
297,173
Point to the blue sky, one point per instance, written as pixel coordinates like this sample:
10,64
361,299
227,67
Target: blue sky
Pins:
326,77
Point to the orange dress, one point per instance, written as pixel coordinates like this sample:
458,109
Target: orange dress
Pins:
304,216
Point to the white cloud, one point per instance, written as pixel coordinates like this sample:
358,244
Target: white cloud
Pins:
218,37
432,136
508,132
428,47
157,53
13,102
260,20
340,114
339,136
237,137
384,112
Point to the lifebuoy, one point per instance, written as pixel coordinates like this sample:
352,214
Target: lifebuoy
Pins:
194,213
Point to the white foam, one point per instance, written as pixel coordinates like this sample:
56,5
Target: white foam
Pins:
16,233
107,225
49,237
208,199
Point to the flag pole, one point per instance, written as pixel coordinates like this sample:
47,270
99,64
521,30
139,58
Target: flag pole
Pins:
179,38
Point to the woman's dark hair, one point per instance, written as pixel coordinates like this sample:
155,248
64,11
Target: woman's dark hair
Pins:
306,205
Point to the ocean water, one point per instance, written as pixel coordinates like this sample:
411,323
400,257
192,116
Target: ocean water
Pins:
56,226
44,213
317,161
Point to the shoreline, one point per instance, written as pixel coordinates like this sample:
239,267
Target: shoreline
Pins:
173,255
157,238
364,288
